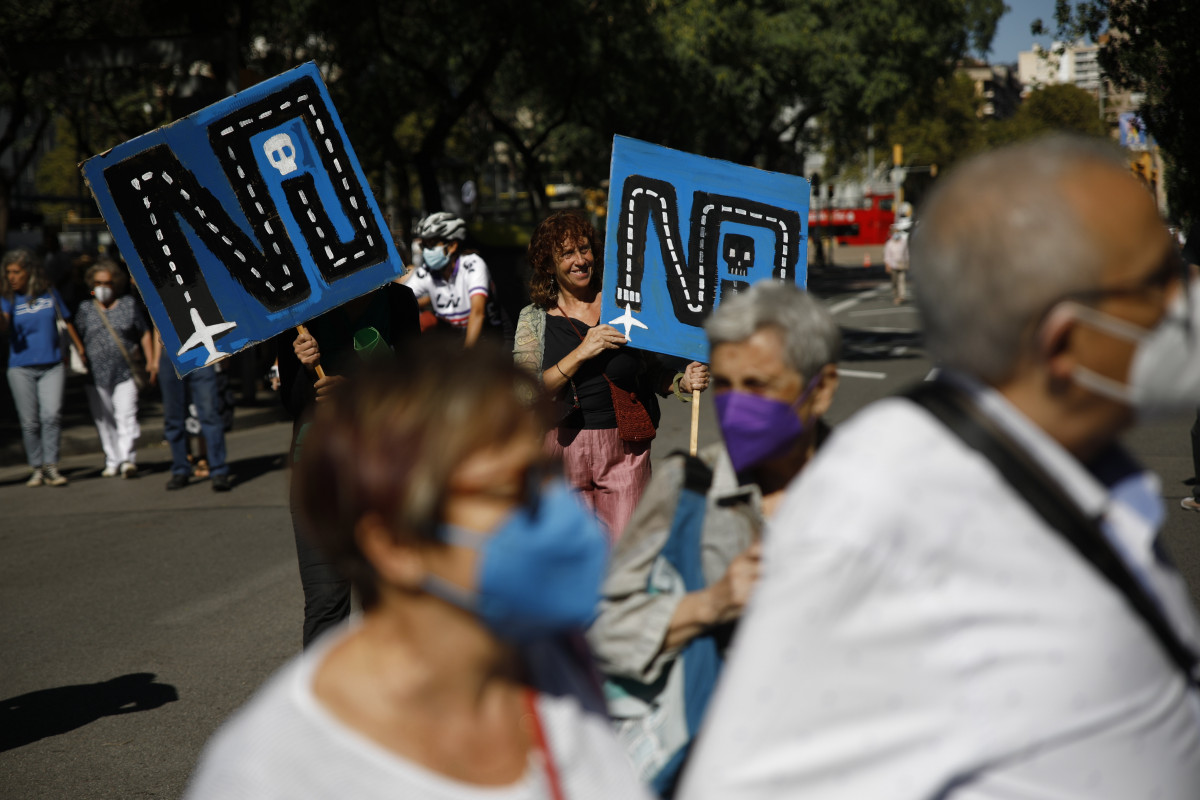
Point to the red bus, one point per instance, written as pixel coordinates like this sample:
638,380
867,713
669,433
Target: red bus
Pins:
868,223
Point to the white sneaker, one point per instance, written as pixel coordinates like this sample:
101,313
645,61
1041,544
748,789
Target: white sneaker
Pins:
129,470
35,479
52,476
1190,503
109,472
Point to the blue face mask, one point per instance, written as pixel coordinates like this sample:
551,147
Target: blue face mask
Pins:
435,258
538,574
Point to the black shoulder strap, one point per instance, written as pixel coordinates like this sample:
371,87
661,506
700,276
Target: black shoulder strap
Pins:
697,475
957,412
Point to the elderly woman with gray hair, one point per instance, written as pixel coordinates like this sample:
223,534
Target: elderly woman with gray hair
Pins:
113,328
772,359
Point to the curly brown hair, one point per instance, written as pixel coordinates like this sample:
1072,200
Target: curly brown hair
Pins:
546,245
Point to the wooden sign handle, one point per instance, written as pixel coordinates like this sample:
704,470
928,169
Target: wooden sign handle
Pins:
304,332
695,421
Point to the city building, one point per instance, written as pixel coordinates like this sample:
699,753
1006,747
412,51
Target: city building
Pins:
1077,64
996,85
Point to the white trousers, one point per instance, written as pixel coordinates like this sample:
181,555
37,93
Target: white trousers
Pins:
115,413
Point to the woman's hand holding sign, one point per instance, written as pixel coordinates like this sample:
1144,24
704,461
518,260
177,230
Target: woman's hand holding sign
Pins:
309,354
306,350
599,339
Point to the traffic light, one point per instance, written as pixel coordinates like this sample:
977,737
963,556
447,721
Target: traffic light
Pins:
897,155
1138,167
933,170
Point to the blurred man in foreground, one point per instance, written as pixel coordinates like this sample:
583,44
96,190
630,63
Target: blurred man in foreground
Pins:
973,603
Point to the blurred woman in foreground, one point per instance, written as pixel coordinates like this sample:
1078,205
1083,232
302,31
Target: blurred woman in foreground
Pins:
423,484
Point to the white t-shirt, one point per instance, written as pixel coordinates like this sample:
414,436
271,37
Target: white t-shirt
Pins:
285,745
941,641
451,290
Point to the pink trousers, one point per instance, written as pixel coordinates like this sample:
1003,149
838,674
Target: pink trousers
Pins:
609,472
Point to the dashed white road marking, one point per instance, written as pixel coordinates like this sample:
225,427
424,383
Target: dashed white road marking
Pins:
851,302
867,312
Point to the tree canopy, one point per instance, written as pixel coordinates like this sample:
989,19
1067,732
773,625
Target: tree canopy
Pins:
1151,47
427,88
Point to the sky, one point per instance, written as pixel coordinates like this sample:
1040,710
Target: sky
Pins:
1012,34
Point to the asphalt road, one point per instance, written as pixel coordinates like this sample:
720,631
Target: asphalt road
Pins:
136,620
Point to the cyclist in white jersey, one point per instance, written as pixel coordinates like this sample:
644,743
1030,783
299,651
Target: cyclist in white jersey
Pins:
455,285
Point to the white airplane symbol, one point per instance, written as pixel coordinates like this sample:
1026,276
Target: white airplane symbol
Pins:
627,321
204,335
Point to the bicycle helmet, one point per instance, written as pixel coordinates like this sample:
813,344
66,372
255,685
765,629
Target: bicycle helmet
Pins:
442,226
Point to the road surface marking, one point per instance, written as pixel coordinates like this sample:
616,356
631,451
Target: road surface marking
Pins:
858,373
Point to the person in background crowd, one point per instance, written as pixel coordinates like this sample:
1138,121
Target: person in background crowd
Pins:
423,482
113,328
994,617
1191,254
199,386
226,412
774,351
29,310
895,259
452,282
383,324
561,340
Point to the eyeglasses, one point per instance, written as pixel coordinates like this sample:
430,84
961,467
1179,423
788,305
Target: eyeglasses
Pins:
1173,267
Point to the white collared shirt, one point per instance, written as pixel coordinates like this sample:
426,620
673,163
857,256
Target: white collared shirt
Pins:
919,632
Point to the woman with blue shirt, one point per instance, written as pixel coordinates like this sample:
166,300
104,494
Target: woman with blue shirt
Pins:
36,375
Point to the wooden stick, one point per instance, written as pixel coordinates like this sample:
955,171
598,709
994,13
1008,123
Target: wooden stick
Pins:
695,421
303,331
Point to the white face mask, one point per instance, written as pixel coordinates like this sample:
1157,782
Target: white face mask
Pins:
103,293
1164,376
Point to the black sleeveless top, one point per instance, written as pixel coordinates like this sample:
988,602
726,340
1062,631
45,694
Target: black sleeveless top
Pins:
595,398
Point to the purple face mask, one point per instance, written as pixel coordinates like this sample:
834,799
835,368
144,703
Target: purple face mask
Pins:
758,428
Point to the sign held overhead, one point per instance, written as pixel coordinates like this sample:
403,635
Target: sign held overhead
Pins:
244,219
685,232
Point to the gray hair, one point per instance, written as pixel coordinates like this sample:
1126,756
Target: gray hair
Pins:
38,284
998,243
811,338
120,278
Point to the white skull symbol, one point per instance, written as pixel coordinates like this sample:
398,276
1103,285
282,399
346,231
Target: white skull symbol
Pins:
281,152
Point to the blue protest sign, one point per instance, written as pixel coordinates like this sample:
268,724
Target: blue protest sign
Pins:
244,219
685,232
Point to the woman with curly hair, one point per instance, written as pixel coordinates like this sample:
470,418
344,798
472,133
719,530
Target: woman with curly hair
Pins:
582,363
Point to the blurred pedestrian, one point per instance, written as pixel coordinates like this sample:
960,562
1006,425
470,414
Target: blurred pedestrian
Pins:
584,365
1191,254
379,326
120,351
682,573
423,481
964,595
895,259
30,309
